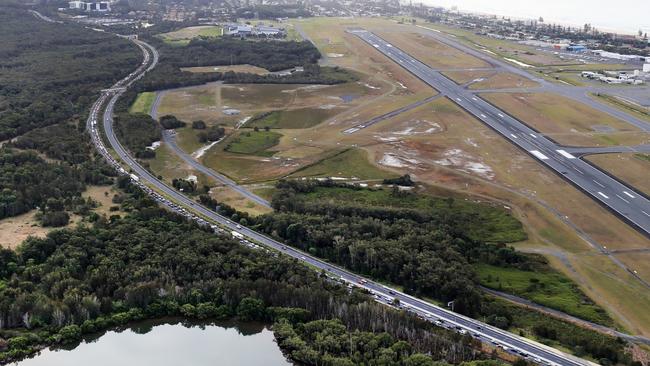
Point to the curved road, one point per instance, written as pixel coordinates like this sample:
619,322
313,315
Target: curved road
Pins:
185,206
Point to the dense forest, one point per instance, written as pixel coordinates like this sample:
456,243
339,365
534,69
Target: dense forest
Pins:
426,245
153,263
52,72
270,54
28,182
137,132
427,250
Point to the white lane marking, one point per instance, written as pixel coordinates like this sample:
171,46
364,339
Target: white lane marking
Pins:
628,194
513,135
500,115
458,99
533,135
626,201
603,194
473,98
578,170
539,155
482,115
565,154
645,213
376,45
389,45
597,182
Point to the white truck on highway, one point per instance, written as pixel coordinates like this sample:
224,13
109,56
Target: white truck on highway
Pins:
134,177
236,235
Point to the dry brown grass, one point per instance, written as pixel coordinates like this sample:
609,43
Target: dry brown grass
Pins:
566,121
14,230
236,200
103,195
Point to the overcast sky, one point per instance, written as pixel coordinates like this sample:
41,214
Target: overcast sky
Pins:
619,15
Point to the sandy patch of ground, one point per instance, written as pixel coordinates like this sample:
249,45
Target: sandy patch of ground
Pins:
14,230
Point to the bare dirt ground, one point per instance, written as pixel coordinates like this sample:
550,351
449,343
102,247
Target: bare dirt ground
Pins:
14,230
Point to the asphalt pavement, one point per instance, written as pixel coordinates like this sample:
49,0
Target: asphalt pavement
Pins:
621,199
185,206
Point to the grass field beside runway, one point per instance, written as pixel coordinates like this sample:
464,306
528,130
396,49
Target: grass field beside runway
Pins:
633,169
429,51
499,47
504,80
566,121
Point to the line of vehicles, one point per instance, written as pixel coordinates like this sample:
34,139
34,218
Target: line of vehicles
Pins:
245,236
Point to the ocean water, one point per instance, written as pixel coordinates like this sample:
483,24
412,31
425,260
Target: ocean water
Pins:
623,16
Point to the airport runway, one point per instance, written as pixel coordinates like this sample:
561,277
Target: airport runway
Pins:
185,206
621,199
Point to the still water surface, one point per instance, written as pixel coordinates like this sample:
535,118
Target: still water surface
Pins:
171,343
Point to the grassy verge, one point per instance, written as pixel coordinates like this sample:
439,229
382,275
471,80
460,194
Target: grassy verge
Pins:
546,288
254,143
143,103
627,107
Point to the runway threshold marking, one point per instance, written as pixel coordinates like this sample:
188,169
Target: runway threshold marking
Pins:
604,195
539,155
513,136
565,154
628,194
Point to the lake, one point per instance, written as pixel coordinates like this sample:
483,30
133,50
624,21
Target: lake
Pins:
170,342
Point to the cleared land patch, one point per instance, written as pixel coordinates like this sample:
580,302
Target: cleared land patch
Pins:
249,69
185,35
236,200
633,169
566,121
14,230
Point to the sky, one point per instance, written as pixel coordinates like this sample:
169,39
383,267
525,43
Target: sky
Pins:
625,16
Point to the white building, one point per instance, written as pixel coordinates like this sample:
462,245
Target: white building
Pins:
90,6
646,68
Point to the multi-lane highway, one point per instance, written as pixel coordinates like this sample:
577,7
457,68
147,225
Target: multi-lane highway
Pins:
178,202
621,199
